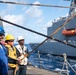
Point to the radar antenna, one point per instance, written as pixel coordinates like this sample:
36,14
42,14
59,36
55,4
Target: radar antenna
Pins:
73,4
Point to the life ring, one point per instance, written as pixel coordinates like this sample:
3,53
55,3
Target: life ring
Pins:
69,32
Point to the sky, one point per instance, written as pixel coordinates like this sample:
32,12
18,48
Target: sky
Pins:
37,18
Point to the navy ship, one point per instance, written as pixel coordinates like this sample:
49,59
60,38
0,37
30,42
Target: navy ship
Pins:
67,33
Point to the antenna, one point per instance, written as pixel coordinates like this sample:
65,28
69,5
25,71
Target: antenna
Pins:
1,24
73,4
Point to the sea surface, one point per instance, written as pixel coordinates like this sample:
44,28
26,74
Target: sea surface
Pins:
52,63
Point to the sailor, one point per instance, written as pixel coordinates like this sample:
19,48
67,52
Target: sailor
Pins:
22,56
12,56
3,54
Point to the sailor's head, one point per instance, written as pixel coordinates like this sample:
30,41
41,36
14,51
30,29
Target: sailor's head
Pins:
20,40
2,33
9,39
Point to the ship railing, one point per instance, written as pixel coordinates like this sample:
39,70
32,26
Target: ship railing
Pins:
66,64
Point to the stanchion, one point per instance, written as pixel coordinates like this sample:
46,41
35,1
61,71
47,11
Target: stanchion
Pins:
66,65
40,62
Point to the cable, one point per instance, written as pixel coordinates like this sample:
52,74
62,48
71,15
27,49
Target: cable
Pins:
44,5
37,32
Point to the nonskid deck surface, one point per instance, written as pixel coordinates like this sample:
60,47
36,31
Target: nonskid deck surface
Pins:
37,71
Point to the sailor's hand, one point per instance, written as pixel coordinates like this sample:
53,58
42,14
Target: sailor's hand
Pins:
18,60
26,55
21,54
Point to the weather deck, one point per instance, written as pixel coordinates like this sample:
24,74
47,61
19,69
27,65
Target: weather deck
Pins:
37,71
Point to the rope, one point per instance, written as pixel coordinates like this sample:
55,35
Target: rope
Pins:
67,63
44,5
72,16
71,67
37,32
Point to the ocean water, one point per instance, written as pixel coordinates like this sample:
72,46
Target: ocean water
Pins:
49,62
52,63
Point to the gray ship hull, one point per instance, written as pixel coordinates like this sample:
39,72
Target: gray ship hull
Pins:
55,48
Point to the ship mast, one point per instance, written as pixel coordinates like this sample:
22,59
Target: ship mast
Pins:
73,4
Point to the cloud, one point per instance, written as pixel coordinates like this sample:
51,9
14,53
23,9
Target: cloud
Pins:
49,24
39,20
36,2
8,8
34,11
5,0
8,0
66,15
18,19
15,31
44,28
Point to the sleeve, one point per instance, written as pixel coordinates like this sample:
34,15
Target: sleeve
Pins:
3,62
10,60
5,50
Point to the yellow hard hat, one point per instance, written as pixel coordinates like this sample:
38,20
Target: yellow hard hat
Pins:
9,37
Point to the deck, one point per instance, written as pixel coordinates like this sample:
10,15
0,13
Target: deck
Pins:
37,71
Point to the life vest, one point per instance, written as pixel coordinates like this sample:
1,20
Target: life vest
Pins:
22,52
11,56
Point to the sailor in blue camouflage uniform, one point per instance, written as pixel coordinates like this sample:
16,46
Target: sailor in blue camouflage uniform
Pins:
3,54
